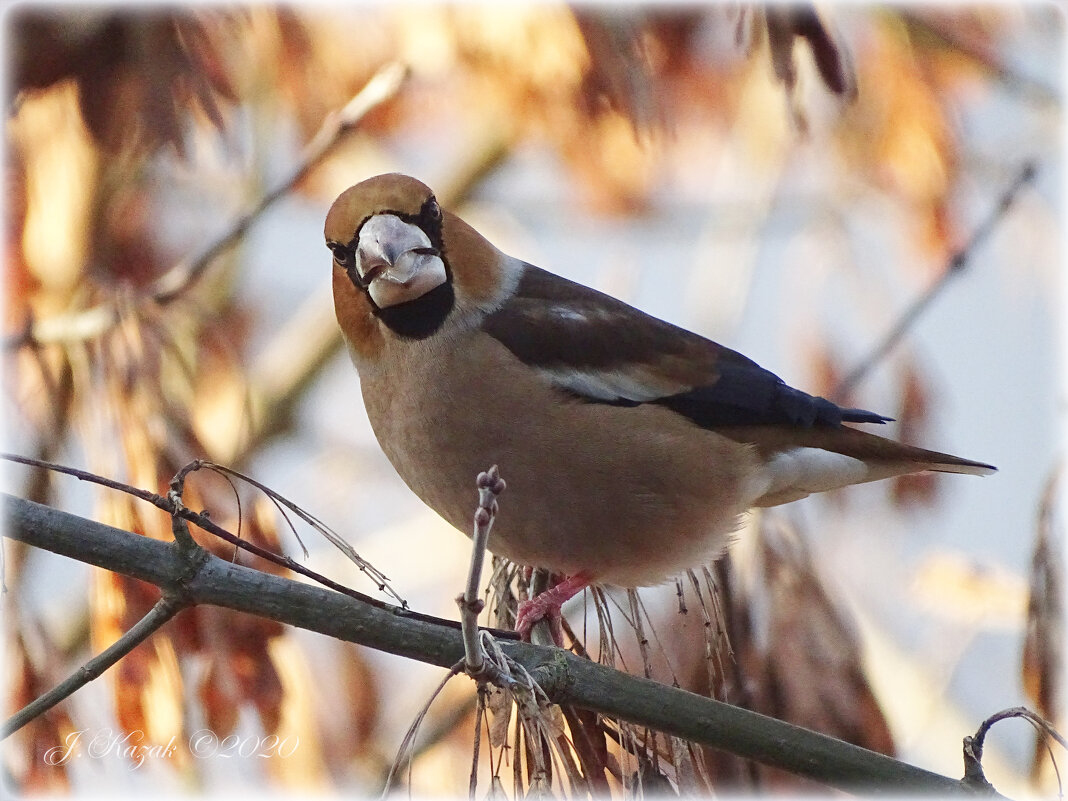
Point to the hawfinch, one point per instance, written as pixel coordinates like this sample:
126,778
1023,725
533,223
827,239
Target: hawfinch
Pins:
631,447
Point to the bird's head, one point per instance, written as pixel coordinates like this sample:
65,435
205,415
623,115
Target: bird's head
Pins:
385,233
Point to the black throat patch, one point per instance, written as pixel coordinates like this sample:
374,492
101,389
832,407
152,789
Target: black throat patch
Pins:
419,318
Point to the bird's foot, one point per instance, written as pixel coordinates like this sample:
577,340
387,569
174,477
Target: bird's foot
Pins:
547,607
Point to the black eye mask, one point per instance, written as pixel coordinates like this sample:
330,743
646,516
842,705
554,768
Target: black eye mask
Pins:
419,318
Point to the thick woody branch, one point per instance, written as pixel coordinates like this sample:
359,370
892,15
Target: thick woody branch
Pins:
177,510
565,677
167,607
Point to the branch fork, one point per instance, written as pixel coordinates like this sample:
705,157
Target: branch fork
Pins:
974,777
172,602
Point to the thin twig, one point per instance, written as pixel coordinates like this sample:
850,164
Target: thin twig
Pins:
532,718
503,599
204,522
954,266
94,321
331,536
608,645
517,753
179,527
480,711
974,778
635,621
680,594
1011,78
656,637
562,677
588,742
490,485
166,608
383,85
705,637
404,752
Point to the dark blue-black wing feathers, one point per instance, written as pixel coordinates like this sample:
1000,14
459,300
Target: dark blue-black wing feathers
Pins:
600,349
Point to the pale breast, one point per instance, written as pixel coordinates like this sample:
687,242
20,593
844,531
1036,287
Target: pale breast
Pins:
631,495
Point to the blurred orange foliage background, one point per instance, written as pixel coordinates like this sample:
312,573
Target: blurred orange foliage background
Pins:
857,147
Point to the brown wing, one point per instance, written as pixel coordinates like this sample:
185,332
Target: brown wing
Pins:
600,349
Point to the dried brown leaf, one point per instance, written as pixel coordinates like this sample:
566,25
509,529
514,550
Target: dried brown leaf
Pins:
813,674
900,135
798,661
259,681
590,744
217,700
363,694
786,25
28,766
241,670
618,75
499,707
913,418
138,73
1043,652
823,370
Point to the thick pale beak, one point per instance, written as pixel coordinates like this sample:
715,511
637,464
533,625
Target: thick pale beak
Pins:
396,261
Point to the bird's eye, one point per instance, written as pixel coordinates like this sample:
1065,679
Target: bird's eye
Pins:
433,210
342,255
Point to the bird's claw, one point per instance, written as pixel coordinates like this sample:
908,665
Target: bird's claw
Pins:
532,612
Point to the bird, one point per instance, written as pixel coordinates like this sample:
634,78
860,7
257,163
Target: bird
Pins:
632,448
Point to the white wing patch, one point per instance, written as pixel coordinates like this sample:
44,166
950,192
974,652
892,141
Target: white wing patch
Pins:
637,384
799,472
567,313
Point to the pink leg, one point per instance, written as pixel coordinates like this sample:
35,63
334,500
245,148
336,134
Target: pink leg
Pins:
547,606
